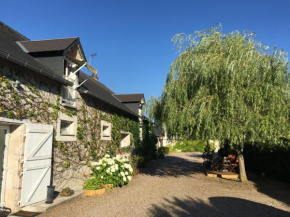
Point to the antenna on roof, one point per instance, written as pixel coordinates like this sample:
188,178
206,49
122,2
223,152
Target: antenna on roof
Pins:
92,55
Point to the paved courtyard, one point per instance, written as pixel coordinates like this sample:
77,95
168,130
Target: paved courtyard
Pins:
176,186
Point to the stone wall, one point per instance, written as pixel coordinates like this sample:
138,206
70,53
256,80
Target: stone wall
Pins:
29,96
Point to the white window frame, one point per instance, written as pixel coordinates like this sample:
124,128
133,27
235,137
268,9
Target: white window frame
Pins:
127,137
108,127
72,136
66,102
73,67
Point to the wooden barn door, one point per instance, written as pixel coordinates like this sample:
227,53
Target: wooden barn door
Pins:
37,163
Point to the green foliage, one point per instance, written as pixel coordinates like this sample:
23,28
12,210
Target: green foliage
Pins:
188,146
163,150
269,160
153,109
137,161
127,149
116,170
89,130
147,147
93,184
227,87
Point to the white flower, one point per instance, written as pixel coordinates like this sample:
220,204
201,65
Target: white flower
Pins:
98,168
113,170
107,156
94,163
126,166
126,173
129,178
107,171
131,170
102,177
122,173
124,179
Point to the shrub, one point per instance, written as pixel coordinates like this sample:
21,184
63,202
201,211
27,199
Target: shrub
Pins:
147,147
188,146
137,161
163,150
116,170
271,160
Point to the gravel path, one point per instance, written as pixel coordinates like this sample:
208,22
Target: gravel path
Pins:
176,186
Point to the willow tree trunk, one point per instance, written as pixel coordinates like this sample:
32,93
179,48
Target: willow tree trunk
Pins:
242,169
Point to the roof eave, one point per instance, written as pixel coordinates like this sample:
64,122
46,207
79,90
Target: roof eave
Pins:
82,90
34,68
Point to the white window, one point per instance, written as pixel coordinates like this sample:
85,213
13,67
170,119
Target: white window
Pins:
68,96
125,139
66,128
106,130
69,67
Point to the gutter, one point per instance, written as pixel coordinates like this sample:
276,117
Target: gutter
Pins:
95,96
34,68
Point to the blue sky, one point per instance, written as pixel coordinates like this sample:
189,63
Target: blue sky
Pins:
132,38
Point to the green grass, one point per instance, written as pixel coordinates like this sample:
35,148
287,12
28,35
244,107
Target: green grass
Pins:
188,146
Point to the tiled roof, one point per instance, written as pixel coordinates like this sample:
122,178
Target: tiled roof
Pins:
103,93
47,45
10,50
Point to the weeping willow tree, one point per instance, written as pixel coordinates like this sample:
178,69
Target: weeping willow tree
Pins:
153,110
227,87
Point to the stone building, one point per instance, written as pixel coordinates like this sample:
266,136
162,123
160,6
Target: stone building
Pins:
54,118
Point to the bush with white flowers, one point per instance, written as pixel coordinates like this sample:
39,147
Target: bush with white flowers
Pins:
117,170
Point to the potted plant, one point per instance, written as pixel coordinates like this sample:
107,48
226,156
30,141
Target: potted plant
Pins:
93,187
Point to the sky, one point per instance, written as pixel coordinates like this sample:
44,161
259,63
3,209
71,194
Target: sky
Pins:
132,38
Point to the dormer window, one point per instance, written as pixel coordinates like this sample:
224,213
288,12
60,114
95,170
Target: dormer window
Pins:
68,96
69,67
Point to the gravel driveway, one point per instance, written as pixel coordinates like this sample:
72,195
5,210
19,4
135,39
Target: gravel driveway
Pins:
176,186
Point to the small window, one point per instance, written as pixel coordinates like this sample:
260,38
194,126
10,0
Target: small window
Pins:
68,96
69,67
106,130
125,139
66,128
